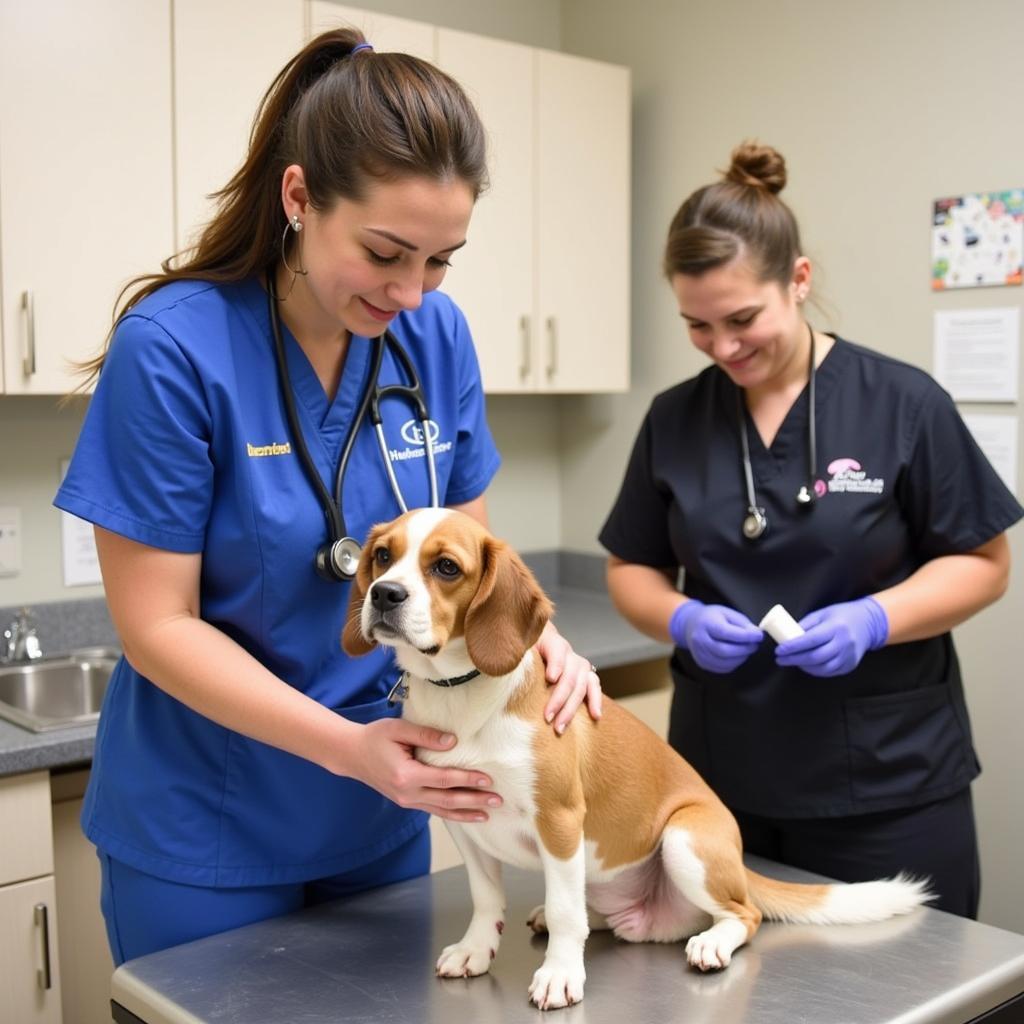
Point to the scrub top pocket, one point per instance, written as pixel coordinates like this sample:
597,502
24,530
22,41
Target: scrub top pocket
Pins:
907,742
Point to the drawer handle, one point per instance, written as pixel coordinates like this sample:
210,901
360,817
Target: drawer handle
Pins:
28,365
524,346
42,922
552,325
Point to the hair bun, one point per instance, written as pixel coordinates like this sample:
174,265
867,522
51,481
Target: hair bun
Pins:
757,166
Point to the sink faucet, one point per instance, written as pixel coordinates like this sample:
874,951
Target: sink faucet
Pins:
20,640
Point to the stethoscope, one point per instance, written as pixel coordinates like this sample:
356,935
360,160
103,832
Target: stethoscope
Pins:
755,522
338,559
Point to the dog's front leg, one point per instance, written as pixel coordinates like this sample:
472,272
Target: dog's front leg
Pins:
559,980
473,953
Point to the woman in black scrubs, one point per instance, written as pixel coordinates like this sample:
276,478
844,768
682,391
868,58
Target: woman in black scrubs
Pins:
801,469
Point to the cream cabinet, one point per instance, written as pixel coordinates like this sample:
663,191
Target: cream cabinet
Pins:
86,965
545,278
86,199
221,73
29,954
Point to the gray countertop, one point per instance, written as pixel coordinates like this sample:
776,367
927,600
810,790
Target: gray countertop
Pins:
584,615
370,958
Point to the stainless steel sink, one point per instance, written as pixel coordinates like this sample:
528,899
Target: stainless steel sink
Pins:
57,692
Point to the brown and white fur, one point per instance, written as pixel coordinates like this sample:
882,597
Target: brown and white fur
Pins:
618,822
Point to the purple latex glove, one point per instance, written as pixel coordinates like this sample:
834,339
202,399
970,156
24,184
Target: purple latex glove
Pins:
836,638
719,638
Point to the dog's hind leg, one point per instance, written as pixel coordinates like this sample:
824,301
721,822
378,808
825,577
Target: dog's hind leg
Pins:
700,850
473,953
538,922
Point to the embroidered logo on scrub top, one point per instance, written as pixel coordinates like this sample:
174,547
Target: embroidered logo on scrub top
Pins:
412,433
258,451
849,478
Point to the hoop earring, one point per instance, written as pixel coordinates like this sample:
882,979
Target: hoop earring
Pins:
294,225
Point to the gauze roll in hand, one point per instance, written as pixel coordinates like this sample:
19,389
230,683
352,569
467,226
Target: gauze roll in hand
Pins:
780,625
836,638
720,639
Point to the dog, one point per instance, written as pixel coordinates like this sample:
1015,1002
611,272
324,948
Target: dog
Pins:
628,835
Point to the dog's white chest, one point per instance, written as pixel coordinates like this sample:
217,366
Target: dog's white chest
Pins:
502,749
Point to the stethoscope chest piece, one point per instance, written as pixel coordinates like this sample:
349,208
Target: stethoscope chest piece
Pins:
804,496
755,522
338,560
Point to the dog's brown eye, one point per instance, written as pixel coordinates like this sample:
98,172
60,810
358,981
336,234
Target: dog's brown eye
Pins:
447,568
382,556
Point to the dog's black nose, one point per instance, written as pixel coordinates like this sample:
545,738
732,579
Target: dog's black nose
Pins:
385,595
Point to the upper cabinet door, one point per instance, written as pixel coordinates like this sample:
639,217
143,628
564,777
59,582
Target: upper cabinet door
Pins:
385,32
226,54
583,188
492,279
85,175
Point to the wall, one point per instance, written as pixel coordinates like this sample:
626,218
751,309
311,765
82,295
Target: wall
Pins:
879,108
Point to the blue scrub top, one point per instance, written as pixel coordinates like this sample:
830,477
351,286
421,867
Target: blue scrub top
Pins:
186,447
901,481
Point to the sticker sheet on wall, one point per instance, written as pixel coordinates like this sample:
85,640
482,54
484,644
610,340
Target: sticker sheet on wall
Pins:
978,240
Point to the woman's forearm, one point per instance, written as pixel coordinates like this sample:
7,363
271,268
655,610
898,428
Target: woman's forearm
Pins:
206,670
645,597
946,591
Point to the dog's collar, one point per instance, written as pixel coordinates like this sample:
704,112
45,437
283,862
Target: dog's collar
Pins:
400,690
456,680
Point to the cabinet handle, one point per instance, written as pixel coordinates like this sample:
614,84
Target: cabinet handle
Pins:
552,326
28,365
42,922
524,347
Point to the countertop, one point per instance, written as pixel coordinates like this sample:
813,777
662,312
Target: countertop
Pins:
583,614
370,958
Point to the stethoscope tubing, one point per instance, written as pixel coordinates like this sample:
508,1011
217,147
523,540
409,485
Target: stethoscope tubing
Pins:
755,522
369,405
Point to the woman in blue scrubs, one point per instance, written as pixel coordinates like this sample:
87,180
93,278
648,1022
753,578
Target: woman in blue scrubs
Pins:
244,766
846,751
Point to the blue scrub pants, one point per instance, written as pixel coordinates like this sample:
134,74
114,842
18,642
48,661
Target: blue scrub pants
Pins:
145,914
937,840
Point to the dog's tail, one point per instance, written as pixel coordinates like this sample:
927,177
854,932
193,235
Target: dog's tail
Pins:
841,903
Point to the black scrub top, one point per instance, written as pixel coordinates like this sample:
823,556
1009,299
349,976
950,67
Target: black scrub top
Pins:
903,482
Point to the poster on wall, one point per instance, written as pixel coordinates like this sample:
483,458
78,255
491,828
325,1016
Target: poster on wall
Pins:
976,353
978,240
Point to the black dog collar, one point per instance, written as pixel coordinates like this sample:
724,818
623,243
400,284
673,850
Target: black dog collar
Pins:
400,691
457,680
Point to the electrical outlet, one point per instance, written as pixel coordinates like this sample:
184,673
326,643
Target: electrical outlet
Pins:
10,540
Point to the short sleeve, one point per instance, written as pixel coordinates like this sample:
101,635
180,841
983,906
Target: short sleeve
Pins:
637,527
141,467
476,455
951,496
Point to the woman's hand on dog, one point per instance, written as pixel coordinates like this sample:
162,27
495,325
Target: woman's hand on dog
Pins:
574,679
382,756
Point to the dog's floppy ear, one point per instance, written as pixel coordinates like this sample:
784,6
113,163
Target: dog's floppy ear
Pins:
353,643
507,613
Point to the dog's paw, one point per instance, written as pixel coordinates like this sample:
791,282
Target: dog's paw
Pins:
555,985
708,952
537,921
462,960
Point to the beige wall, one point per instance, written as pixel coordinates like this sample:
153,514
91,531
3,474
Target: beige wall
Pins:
880,108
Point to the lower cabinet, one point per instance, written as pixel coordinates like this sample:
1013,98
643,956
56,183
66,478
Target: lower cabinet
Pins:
29,957
86,964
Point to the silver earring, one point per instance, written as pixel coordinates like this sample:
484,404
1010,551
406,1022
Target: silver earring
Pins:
294,225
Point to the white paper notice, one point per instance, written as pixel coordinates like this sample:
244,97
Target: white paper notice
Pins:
78,544
997,438
976,353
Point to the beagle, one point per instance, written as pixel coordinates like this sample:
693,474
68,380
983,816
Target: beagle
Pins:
618,822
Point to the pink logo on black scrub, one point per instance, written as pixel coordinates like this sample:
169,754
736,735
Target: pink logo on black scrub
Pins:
848,477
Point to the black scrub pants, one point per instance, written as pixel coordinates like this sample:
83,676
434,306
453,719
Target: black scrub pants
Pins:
935,840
